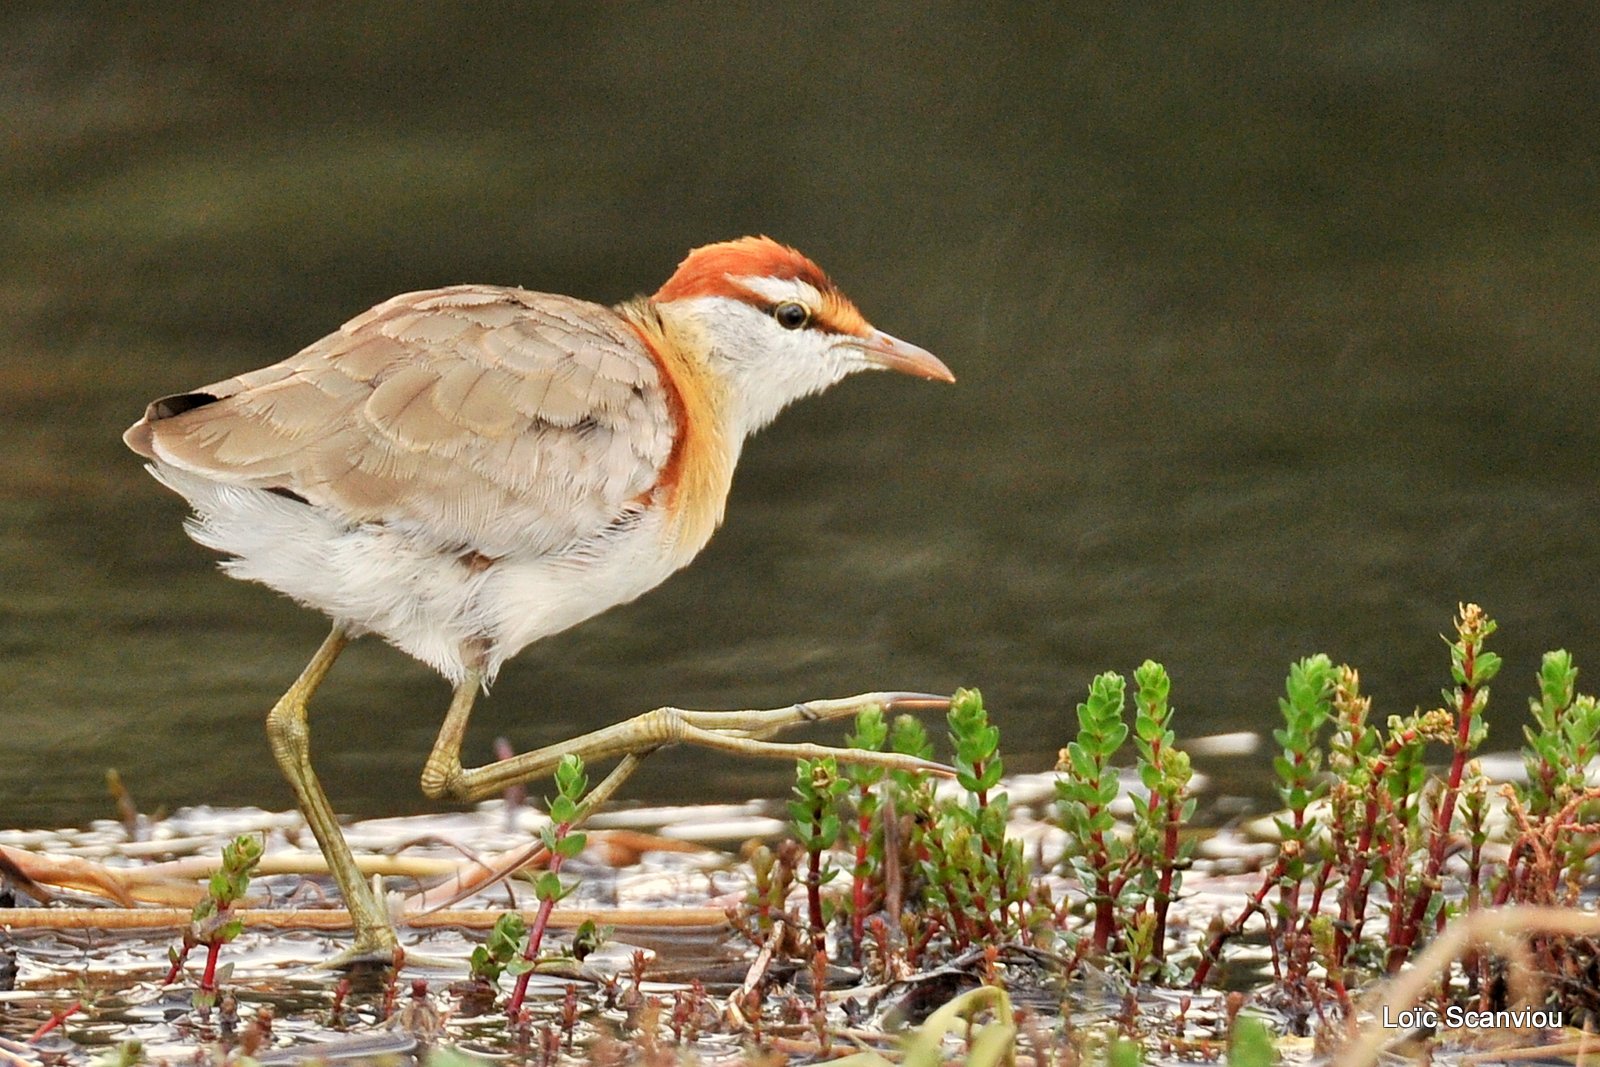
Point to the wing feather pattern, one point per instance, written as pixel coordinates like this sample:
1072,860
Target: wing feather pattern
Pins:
500,419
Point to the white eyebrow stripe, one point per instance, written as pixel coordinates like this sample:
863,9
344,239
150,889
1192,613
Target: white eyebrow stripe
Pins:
778,290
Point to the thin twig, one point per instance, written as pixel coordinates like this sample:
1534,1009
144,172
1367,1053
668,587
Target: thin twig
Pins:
339,919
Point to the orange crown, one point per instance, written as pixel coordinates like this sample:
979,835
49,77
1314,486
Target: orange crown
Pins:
711,270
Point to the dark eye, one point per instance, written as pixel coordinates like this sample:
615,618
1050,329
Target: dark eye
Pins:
791,315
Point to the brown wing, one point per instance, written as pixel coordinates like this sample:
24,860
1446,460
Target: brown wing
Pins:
487,417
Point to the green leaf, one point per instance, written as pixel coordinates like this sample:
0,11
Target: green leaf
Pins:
1110,787
909,737
992,774
966,703
1484,668
1114,738
563,810
1079,761
570,779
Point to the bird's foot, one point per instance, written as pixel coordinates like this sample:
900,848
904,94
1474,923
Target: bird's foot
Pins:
372,956
742,733
376,958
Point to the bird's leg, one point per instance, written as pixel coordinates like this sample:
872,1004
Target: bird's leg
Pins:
739,732
375,941
743,732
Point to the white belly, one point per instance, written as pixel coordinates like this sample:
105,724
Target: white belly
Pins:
394,582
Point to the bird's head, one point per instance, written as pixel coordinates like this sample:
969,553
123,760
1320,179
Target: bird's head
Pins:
776,328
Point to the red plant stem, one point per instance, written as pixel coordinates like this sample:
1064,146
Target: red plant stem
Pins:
1395,873
1342,995
1104,918
177,965
1169,855
208,981
1255,904
990,929
1526,850
1440,835
1169,862
1214,950
520,990
1318,889
814,883
1289,897
391,992
859,888
1508,884
1120,882
536,934
1353,903
55,1020
1475,877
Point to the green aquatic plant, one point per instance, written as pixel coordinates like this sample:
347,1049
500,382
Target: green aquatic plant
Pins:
1472,667
563,841
212,922
1160,853
982,874
1085,789
862,832
1357,883
815,819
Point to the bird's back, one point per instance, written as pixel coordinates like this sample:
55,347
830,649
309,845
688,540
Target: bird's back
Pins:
498,419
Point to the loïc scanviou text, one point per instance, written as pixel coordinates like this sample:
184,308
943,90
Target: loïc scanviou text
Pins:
1454,1017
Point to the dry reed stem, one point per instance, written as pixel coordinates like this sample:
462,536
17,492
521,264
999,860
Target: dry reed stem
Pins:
1577,1050
1499,930
173,883
16,919
733,1010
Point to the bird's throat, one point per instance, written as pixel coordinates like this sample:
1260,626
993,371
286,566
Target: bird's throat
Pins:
698,473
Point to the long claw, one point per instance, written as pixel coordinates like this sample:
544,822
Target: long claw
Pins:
915,702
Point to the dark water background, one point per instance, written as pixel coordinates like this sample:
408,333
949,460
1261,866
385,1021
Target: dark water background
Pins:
1276,329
